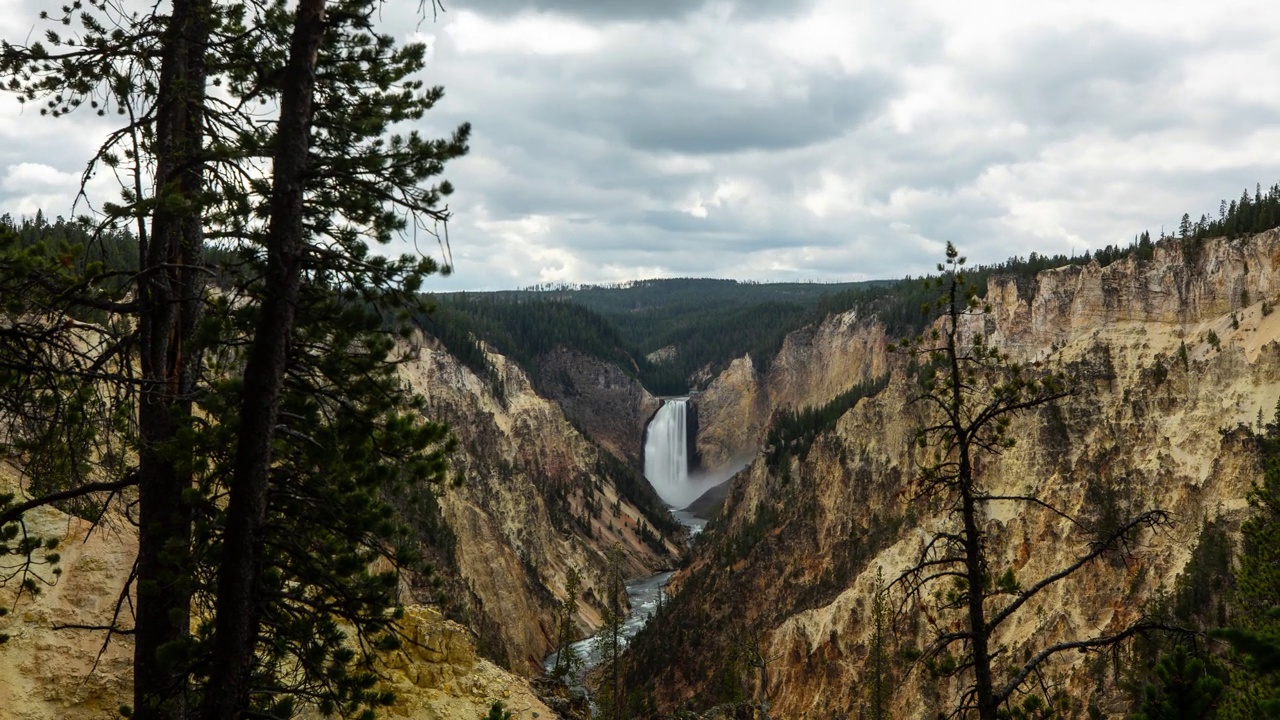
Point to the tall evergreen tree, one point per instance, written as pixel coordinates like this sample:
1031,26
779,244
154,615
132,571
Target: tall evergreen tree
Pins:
878,681
610,695
346,436
568,663
1254,689
1185,690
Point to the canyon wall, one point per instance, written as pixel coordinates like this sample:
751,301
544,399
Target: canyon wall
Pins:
1161,416
536,498
533,498
599,398
815,364
52,672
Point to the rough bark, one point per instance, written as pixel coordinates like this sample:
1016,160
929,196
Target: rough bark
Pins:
237,612
169,287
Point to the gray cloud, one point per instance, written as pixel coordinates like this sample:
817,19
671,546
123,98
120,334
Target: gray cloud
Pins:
771,140
622,9
688,119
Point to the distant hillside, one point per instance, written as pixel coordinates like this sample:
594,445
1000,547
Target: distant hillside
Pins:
701,324
708,322
527,329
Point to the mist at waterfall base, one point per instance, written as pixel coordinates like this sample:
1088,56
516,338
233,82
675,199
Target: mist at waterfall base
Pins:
666,465
666,457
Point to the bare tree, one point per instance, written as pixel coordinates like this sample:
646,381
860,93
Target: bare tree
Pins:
971,392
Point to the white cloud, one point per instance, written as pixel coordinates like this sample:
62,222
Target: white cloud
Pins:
27,176
526,34
828,139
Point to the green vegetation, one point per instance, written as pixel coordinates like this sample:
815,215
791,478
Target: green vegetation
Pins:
791,432
1184,689
526,330
568,663
1254,629
708,323
498,712
1185,674
610,687
879,677
1249,214
258,435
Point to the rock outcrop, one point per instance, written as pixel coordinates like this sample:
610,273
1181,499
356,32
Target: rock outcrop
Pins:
52,672
437,674
1173,363
68,674
815,364
610,406
537,498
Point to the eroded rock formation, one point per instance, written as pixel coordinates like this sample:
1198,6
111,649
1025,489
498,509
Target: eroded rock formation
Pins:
1161,417
537,498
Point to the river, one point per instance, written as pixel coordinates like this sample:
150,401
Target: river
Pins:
643,595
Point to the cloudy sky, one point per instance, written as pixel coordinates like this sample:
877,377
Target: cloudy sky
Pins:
809,140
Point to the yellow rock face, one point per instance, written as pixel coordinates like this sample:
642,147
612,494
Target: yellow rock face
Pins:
437,674
1156,430
814,365
48,674
513,557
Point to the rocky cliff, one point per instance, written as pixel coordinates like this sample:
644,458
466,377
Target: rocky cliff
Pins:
49,671
610,406
1173,361
537,498
71,674
815,364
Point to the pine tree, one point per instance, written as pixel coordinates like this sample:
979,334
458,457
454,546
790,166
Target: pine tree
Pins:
1254,689
879,681
348,438
610,696
971,391
567,663
1185,690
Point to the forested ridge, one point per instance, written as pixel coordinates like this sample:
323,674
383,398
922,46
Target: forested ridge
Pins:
699,325
704,323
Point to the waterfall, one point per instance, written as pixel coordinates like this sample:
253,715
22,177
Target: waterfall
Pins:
666,452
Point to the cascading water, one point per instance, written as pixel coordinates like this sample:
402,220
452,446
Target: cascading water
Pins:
666,465
666,452
666,458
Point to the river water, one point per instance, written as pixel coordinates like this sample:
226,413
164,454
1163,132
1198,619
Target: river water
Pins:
666,466
643,595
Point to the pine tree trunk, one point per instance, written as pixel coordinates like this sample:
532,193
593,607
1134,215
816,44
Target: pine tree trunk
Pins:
237,611
170,287
976,575
975,570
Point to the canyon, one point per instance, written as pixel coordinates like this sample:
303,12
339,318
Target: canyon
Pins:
1173,365
1173,360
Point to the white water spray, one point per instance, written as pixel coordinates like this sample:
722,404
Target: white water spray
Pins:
666,457
666,451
